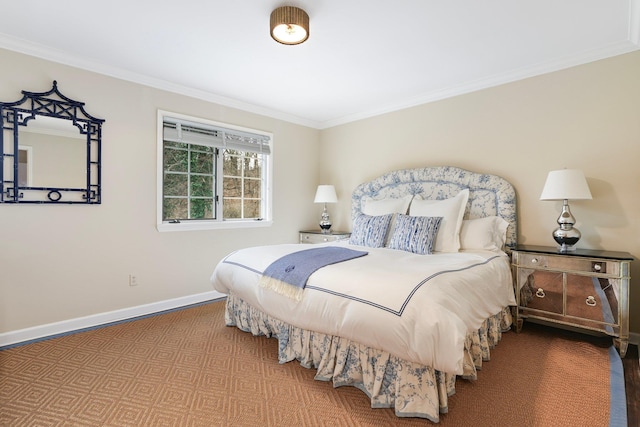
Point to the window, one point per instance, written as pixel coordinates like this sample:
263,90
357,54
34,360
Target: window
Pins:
211,175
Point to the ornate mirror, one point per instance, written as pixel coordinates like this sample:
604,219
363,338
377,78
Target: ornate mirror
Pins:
49,150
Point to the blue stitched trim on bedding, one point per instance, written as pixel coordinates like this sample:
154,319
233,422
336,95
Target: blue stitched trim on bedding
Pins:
253,270
381,307
413,291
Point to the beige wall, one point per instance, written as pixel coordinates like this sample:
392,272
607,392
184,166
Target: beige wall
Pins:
587,117
63,262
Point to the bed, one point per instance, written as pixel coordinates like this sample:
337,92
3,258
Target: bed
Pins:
423,302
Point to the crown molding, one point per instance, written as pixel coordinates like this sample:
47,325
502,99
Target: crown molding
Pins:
499,79
634,22
54,55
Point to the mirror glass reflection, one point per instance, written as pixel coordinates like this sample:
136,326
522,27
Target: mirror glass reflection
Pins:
52,153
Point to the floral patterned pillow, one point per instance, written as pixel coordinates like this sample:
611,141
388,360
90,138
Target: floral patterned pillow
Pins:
370,230
415,234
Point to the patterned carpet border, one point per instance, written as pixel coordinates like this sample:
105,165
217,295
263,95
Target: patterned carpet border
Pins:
618,405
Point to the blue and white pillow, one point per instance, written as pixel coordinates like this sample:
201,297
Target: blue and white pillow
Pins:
416,234
370,230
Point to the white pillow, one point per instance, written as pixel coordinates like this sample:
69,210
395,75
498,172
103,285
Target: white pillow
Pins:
386,206
451,210
487,233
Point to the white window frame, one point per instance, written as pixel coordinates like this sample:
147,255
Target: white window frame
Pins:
220,223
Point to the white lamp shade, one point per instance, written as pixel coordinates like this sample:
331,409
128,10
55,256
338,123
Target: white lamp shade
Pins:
567,184
325,194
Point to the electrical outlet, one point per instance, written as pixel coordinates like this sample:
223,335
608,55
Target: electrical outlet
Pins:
133,280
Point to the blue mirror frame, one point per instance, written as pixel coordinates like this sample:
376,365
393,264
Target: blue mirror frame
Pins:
55,105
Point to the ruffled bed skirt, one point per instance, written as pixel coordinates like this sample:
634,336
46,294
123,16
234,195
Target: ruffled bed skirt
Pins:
412,389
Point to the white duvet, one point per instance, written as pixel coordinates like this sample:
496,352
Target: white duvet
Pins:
416,307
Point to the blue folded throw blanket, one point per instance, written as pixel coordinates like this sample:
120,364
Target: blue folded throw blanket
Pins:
288,275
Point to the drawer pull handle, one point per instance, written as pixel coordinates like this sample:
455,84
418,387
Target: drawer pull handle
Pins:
534,260
540,293
597,267
591,301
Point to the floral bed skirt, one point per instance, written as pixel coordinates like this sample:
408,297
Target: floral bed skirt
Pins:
412,389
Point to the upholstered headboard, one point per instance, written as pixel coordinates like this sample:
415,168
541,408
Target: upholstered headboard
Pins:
489,195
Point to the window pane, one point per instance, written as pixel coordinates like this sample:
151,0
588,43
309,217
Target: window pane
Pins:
252,188
232,187
201,208
174,209
253,166
201,186
175,160
202,148
176,144
232,209
252,209
232,165
201,162
175,184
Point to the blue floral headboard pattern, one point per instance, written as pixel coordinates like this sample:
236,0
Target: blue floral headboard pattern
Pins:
489,195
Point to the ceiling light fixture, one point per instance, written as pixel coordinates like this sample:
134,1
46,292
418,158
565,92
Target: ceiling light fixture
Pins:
289,25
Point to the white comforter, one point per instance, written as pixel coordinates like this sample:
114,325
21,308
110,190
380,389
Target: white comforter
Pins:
417,307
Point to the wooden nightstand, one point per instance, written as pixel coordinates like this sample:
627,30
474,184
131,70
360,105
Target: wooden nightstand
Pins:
317,236
584,289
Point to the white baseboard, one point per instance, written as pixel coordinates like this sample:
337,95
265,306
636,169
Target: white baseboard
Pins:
634,338
79,323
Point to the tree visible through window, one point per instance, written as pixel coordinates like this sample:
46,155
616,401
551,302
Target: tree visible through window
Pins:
213,173
189,181
242,183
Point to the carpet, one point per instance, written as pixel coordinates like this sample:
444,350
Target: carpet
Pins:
185,368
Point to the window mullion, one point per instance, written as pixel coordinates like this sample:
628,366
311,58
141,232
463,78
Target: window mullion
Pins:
214,184
189,181
242,193
219,184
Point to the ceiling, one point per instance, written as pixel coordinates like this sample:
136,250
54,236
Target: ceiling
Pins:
361,59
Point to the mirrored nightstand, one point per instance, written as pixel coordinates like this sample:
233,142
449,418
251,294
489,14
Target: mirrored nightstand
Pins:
584,289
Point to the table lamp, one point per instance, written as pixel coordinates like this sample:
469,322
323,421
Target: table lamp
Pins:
325,194
564,185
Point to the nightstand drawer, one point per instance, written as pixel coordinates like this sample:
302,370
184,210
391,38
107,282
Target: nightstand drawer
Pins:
592,298
319,237
543,291
574,264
